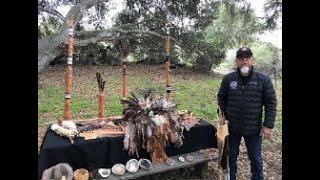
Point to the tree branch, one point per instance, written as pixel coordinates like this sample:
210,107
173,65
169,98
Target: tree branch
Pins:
52,11
103,33
106,35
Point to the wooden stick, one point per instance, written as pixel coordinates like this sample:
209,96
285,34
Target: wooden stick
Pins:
101,96
124,86
167,63
103,84
107,119
101,105
68,75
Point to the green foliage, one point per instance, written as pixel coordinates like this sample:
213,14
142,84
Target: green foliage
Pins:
232,27
93,53
268,58
273,11
48,26
189,47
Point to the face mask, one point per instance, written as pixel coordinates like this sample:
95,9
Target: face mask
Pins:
244,69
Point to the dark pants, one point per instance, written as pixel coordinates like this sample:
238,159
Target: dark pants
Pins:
253,144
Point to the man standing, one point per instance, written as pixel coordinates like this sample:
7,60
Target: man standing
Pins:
242,96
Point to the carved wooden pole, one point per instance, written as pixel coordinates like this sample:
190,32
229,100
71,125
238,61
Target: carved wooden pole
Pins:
101,97
167,63
125,52
124,85
68,75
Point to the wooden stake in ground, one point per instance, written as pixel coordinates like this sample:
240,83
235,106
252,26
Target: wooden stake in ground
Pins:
125,50
124,84
101,96
68,75
167,63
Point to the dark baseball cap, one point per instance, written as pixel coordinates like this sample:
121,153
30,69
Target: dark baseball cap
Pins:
244,52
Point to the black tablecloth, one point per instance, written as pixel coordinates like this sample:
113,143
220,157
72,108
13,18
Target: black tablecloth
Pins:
105,152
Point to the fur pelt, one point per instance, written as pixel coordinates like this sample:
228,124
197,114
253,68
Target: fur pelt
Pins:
57,172
62,131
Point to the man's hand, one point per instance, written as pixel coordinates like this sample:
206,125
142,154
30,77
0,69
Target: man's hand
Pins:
266,133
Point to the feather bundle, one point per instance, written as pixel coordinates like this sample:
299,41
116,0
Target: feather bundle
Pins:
150,118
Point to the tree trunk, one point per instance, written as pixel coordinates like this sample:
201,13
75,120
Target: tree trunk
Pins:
48,46
48,49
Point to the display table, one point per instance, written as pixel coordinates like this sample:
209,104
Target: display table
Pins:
199,159
107,151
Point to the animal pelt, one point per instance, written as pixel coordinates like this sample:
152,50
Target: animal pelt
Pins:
188,120
147,115
69,125
99,124
57,172
224,162
96,124
222,134
63,131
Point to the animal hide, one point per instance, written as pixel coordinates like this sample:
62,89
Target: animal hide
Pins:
57,172
188,120
69,125
222,133
99,128
64,132
96,124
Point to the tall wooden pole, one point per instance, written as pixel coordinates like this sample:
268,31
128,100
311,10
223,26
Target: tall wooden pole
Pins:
125,50
68,75
124,83
167,63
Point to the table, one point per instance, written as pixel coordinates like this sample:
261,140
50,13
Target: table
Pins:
107,151
199,159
